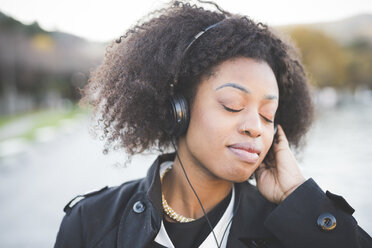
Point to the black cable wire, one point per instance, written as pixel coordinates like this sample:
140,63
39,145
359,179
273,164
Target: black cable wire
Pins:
223,236
228,224
201,205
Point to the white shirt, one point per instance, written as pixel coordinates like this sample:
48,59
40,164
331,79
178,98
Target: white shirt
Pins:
223,224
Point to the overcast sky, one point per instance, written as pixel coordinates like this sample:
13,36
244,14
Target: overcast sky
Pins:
103,20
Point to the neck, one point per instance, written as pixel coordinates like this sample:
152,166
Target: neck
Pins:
180,196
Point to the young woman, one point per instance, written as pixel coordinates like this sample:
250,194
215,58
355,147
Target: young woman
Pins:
230,97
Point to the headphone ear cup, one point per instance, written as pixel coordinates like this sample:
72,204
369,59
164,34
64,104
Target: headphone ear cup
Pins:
179,116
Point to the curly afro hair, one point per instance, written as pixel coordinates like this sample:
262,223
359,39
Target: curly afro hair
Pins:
130,89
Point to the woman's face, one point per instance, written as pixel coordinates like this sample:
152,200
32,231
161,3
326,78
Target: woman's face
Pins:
232,119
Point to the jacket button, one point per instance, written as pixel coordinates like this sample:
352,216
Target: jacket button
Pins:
326,222
139,207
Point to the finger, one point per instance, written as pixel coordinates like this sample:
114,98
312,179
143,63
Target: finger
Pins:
281,137
257,174
259,170
261,167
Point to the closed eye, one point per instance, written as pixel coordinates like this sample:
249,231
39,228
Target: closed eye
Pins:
266,119
232,110
238,110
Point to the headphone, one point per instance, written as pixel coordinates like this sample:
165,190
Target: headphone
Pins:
179,115
179,112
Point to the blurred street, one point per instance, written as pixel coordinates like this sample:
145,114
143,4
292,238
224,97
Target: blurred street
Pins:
36,184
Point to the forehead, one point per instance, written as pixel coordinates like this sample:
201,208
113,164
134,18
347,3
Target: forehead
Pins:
249,73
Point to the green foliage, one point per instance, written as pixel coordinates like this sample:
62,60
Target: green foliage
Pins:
359,68
324,59
9,24
330,64
41,119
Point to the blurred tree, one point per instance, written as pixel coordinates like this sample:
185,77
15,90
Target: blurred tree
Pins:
43,42
359,67
324,59
40,69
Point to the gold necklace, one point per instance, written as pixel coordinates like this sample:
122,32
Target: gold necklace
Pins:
168,210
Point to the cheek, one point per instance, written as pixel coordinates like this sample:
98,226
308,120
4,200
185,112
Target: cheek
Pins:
206,125
267,142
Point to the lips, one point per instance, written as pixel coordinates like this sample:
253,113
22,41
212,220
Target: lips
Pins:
248,152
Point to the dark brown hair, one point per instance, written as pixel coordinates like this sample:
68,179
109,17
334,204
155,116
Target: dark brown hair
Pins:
130,89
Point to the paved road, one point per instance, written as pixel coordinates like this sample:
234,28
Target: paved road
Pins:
36,184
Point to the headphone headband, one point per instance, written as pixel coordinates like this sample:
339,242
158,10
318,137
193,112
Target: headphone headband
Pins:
197,36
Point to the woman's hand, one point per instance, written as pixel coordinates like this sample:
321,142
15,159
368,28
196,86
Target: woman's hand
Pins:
276,183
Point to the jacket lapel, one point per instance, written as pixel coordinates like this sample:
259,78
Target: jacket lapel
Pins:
145,224
251,210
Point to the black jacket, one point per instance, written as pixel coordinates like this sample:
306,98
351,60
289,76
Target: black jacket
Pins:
130,215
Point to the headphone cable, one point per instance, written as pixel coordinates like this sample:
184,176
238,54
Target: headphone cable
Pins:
201,205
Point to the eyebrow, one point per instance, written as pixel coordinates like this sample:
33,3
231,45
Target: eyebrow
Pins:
241,88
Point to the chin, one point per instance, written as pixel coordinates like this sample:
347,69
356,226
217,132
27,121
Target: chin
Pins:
240,176
241,180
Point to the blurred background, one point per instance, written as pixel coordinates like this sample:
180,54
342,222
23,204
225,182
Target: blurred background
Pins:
48,154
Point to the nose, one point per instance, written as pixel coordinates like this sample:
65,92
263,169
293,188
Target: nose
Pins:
251,125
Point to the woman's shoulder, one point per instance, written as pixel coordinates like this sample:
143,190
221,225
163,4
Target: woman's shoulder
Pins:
102,195
95,213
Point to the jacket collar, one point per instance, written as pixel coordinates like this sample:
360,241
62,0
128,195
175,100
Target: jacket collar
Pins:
250,210
145,224
152,184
